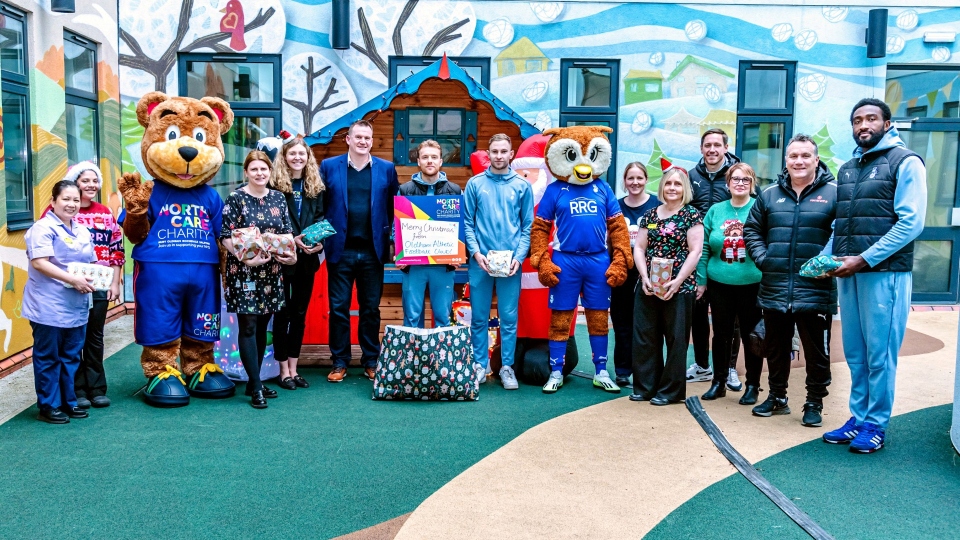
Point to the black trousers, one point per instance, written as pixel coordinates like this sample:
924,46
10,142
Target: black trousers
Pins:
363,268
656,322
91,380
252,344
622,299
701,334
814,329
732,304
289,323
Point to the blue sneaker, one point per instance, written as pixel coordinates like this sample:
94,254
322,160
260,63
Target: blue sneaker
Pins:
869,440
843,435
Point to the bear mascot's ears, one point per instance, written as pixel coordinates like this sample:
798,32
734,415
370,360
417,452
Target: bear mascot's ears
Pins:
220,108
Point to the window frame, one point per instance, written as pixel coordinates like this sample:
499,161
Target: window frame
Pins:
612,64
184,57
759,65
465,131
82,98
18,84
925,120
394,62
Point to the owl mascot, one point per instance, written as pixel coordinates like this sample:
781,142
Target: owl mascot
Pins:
591,248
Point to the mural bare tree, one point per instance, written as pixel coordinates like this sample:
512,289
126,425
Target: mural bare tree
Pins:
369,48
308,109
160,67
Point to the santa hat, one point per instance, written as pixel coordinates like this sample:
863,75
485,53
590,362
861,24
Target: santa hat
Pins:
665,165
73,173
530,154
272,145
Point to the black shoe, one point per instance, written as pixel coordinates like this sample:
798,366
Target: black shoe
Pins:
269,393
773,405
287,384
717,390
750,395
74,412
257,401
83,402
622,381
301,382
661,401
53,416
811,414
639,397
98,402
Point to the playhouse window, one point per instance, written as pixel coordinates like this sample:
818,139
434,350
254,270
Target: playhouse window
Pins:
446,126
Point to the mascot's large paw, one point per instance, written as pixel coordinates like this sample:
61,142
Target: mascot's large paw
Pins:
616,275
167,389
136,194
547,273
211,383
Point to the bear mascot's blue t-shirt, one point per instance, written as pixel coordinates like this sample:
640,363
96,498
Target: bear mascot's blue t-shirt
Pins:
184,225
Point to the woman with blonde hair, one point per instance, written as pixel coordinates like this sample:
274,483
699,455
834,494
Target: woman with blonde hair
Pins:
297,176
673,231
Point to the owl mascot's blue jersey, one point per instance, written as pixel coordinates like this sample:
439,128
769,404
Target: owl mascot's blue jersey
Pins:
580,213
176,281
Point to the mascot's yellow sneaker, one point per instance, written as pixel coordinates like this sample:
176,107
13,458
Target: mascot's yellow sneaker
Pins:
167,389
211,383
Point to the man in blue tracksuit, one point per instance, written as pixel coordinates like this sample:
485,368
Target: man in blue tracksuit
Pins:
881,204
438,278
498,216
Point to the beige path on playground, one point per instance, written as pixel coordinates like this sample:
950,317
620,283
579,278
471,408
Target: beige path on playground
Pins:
648,460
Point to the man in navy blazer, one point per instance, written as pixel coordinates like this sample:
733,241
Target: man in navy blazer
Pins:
358,204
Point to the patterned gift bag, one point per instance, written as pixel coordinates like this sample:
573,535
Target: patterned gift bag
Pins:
426,364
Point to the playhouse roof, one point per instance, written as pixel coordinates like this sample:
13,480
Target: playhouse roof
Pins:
442,69
644,74
702,63
521,48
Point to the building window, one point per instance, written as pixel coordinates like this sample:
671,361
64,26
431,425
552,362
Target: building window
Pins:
251,84
401,67
80,82
454,129
765,115
14,80
589,96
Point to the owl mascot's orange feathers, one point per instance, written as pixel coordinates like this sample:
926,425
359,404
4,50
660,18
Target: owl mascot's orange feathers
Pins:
591,247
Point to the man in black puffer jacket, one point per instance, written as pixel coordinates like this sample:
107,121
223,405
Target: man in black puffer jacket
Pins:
789,224
709,183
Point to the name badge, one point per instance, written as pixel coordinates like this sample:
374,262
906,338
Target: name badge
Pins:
249,286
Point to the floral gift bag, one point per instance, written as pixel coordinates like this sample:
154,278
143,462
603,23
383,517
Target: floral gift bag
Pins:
426,364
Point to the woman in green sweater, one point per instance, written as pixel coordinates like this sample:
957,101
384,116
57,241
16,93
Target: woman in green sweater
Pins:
727,273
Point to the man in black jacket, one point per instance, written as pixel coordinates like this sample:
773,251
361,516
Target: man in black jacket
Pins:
437,277
709,183
789,224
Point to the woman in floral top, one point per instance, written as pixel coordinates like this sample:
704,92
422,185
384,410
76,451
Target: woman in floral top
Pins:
672,230
253,287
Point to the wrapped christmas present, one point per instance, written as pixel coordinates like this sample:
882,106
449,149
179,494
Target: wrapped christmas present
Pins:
247,243
100,277
661,271
278,244
819,266
426,364
315,233
498,263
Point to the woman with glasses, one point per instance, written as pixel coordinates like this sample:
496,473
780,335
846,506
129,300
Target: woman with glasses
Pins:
727,273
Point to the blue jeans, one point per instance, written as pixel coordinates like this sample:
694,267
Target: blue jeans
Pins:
481,297
363,268
56,357
873,315
439,279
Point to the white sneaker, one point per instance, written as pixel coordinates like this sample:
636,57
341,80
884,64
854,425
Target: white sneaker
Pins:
481,373
695,373
553,383
733,381
508,378
602,380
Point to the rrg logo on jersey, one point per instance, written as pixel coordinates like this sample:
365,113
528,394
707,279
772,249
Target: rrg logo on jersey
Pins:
582,206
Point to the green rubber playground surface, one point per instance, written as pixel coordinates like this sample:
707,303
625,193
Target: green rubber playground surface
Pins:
318,463
910,489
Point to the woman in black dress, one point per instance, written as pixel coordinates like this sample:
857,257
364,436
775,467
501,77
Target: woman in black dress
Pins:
254,287
297,177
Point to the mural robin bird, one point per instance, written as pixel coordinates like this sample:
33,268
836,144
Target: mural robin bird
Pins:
232,23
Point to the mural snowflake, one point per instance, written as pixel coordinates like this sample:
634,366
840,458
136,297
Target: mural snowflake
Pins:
812,87
641,122
940,54
498,33
834,14
712,93
656,59
781,32
535,91
547,11
696,30
908,20
895,45
543,120
805,40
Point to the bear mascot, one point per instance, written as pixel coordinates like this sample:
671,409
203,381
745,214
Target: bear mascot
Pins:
174,223
591,247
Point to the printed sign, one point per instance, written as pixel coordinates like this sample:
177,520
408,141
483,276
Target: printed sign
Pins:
429,230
